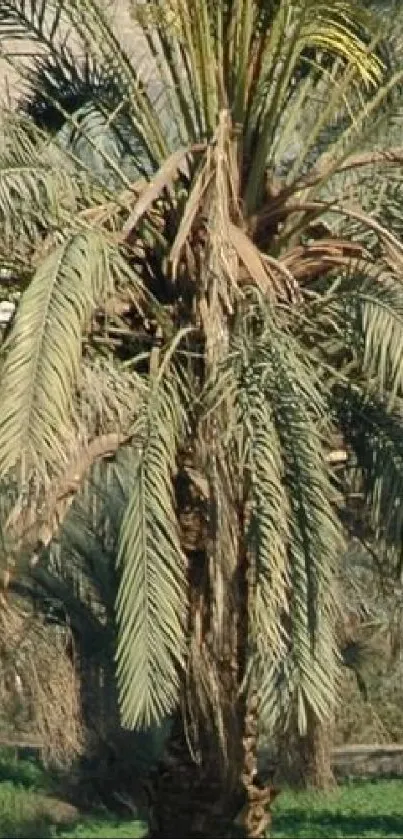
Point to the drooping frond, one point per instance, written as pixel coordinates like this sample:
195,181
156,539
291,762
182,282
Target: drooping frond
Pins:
267,522
106,407
293,537
315,541
374,435
365,316
382,331
41,358
151,603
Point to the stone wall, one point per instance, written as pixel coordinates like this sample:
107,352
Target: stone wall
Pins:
368,761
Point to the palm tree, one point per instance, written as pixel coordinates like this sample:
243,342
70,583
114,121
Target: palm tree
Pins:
205,245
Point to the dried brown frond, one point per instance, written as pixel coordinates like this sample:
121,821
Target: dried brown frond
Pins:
32,527
316,259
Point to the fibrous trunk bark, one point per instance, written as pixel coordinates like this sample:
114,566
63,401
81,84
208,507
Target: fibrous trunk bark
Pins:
197,800
217,796
189,798
316,754
306,760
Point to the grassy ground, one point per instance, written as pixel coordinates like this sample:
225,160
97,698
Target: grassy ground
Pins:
30,808
370,809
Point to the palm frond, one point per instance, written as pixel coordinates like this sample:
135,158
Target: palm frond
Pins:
41,357
294,537
374,434
296,29
151,603
315,539
367,318
75,99
267,523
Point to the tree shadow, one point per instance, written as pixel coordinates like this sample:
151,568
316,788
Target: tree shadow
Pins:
27,828
325,823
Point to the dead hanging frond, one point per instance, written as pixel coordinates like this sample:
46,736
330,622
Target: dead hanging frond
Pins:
309,261
163,181
31,527
212,246
211,687
205,699
39,688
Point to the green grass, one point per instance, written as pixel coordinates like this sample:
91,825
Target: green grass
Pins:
370,809
24,773
30,808
94,828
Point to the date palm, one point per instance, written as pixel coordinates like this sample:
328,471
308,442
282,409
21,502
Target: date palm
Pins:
210,280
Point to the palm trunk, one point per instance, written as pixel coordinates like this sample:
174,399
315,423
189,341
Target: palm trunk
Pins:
255,818
316,754
190,799
195,801
216,797
305,760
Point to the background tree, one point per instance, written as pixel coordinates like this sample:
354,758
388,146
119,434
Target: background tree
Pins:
205,287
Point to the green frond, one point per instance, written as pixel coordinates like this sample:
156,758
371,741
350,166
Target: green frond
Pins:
382,328
287,100
294,537
374,434
268,535
152,597
299,683
315,538
368,318
41,358
271,67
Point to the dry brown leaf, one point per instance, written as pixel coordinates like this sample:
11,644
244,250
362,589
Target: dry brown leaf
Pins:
164,179
193,207
250,257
